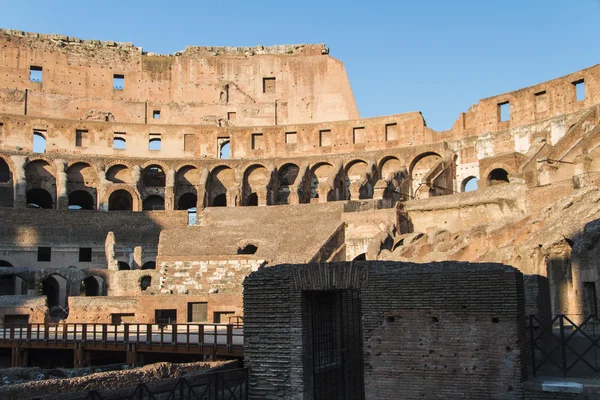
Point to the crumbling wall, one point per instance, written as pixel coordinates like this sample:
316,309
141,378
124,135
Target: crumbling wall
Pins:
34,306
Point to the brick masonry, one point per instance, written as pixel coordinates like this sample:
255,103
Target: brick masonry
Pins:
439,330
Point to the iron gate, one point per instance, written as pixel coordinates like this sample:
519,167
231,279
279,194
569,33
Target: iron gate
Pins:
337,359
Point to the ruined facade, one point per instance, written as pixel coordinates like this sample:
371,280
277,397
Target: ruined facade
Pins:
128,179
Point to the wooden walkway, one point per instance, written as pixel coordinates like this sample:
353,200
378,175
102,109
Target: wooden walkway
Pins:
214,340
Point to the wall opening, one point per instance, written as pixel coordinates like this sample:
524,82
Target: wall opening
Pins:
222,317
82,138
197,312
120,200
82,199
248,249
11,285
156,114
118,82
119,174
189,142
391,132
145,282
4,263
153,176
39,198
252,199
287,177
224,148
153,203
590,301
165,317
360,257
85,254
92,286
39,141
498,176
541,101
291,137
579,90
5,174
220,200
187,201
119,141
469,184
504,111
359,135
149,265
123,266
44,254
154,142
231,116
55,289
35,73
269,85
257,141
325,138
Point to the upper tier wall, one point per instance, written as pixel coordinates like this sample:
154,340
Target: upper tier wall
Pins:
211,85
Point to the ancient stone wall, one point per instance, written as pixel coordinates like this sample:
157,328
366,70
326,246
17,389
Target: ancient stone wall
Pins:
453,329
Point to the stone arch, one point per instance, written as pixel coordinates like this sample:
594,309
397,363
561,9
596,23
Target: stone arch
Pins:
92,286
498,176
187,179
392,182
287,177
360,257
39,174
420,167
149,265
12,284
222,178
81,199
469,184
6,185
256,180
39,198
187,201
357,182
5,264
119,173
82,177
224,149
319,177
153,176
123,266
153,203
120,200
40,141
56,288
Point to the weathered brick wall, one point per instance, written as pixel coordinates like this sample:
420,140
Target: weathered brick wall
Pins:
440,330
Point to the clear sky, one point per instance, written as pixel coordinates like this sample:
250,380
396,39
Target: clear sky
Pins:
434,56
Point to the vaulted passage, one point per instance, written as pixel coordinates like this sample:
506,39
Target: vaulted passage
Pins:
39,198
187,201
120,200
154,203
81,199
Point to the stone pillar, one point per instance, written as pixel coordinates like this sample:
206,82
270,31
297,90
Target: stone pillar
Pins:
62,199
262,194
294,197
379,189
170,190
355,190
109,250
323,190
137,258
101,189
19,181
201,193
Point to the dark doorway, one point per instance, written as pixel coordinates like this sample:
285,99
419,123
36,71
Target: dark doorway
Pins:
187,201
149,265
222,317
248,249
335,337
498,176
39,198
153,203
91,286
220,200
252,199
123,266
82,199
120,200
165,317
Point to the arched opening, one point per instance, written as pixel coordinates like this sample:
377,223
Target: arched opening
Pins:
39,142
360,257
119,174
123,266
5,174
248,249
252,199
469,184
11,285
82,199
421,168
153,203
149,265
145,282
55,288
225,150
153,176
119,143
220,200
287,177
120,200
39,198
187,201
92,286
357,183
4,263
320,174
498,176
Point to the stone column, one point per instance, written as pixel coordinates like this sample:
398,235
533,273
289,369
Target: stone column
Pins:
323,190
170,190
19,181
109,250
62,199
262,194
137,258
379,189
101,188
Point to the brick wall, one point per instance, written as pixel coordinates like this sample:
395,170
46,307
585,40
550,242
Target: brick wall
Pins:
448,330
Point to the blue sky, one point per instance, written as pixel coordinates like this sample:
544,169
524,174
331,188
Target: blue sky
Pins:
438,57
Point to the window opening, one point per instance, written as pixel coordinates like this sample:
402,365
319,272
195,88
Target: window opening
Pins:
269,85
85,254
224,147
44,254
579,89
156,114
504,111
325,138
35,74
154,143
119,141
257,141
118,82
39,141
81,138
291,138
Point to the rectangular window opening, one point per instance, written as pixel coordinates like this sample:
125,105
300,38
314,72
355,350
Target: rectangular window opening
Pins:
231,116
44,254
541,102
156,114
118,82
224,148
325,138
580,89
197,312
35,74
85,254
291,137
154,142
391,132
257,141
269,85
165,317
39,141
81,138
119,141
359,135
504,111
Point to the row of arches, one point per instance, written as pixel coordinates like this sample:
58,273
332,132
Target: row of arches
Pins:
259,184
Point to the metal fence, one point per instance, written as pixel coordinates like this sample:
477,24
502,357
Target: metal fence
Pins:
221,385
562,346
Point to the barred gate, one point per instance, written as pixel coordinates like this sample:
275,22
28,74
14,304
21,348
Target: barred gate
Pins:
221,385
564,346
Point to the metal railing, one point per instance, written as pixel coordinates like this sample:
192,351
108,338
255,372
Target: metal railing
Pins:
218,335
564,346
227,384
